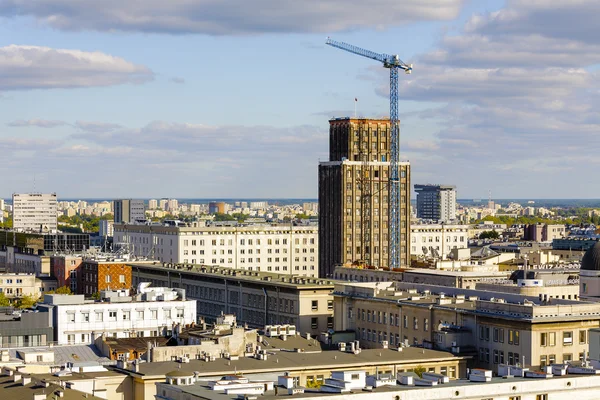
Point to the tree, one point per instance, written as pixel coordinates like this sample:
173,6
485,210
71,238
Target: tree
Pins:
27,301
489,235
419,369
4,302
7,224
96,296
61,290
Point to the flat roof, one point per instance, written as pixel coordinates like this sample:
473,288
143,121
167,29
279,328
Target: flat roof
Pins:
293,361
264,278
202,391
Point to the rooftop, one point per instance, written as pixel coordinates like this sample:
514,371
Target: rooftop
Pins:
263,278
18,391
523,386
294,361
488,303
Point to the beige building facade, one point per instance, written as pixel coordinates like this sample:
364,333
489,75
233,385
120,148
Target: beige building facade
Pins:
498,328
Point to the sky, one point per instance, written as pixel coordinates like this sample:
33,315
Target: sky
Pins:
231,98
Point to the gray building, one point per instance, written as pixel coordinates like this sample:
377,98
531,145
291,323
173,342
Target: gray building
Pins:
354,196
436,202
129,211
27,329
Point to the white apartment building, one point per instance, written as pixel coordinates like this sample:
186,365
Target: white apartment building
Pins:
35,212
152,312
283,249
428,239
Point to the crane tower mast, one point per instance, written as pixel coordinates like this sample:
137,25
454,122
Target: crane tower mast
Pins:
393,63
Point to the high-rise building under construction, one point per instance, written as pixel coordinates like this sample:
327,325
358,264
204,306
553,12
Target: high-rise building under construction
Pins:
354,196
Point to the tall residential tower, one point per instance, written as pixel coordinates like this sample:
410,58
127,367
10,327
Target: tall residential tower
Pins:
35,212
436,202
354,196
129,211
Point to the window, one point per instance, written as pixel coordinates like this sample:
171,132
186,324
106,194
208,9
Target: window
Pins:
107,279
126,315
415,323
330,305
543,361
405,321
551,359
99,316
541,397
501,335
567,338
496,357
71,317
140,315
567,357
112,315
496,334
314,323
514,398
180,313
122,278
315,305
153,314
85,317
552,338
582,337
425,324
543,339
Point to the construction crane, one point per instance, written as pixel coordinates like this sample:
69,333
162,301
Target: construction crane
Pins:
393,63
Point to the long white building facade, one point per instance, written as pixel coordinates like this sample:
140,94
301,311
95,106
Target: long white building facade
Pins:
282,249
152,312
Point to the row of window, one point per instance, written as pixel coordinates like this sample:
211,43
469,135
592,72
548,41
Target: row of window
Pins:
380,317
99,316
549,338
498,335
315,305
249,242
10,281
498,357
438,239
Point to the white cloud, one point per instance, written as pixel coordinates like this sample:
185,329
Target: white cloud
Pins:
40,123
190,160
34,67
96,127
229,17
517,105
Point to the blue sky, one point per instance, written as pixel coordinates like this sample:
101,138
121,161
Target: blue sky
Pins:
232,98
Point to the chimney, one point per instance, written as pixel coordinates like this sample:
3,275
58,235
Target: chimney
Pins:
26,380
16,377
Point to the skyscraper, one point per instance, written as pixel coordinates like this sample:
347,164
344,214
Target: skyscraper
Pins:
129,211
436,202
354,196
35,212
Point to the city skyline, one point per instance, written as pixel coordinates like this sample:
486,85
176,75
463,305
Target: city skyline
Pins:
203,101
